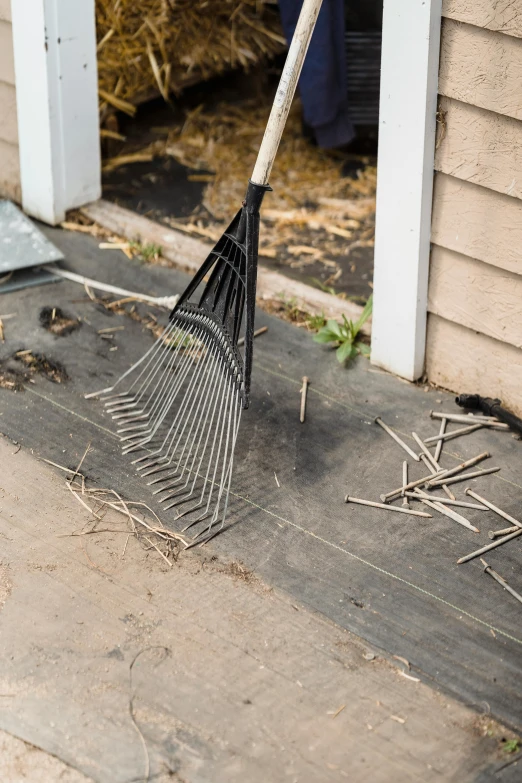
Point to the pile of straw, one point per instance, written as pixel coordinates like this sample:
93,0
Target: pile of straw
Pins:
226,141
155,47
315,214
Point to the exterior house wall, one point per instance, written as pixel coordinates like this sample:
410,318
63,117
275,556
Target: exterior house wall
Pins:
9,153
474,333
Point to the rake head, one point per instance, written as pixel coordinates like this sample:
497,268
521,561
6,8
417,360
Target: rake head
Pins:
178,415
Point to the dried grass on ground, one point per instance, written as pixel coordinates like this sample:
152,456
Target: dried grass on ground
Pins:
314,214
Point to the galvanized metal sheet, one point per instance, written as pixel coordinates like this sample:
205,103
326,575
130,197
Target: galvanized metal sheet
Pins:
22,245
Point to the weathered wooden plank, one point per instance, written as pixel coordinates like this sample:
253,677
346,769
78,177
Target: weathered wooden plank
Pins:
282,679
8,121
505,16
10,172
189,253
480,146
477,295
481,67
6,53
462,360
477,222
5,10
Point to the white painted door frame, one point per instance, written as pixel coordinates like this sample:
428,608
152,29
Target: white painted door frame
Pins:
57,104
407,122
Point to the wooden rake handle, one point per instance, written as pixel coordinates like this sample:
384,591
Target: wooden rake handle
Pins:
285,91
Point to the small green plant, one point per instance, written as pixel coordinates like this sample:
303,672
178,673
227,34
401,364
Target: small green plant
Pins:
149,252
344,336
511,746
315,322
328,289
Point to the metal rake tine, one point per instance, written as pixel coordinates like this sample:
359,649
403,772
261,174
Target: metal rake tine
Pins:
224,477
204,428
170,449
195,522
151,350
180,375
200,397
167,404
162,366
190,397
163,380
221,418
212,483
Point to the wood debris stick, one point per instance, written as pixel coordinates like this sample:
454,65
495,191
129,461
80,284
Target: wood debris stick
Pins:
349,499
111,329
504,532
313,220
487,548
123,246
354,208
500,580
449,513
2,337
105,133
405,481
56,465
464,477
467,464
304,391
454,434
258,332
340,232
79,227
469,418
158,550
442,431
411,485
462,417
396,438
497,510
424,450
418,493
124,160
430,462
71,478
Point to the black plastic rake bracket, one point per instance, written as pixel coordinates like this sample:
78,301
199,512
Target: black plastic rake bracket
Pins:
230,270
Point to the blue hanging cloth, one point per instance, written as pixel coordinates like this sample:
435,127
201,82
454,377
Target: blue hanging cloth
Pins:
322,85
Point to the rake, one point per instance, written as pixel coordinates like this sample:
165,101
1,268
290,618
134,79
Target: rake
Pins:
179,415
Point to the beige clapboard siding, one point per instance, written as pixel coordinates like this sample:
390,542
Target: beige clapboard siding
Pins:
10,172
5,10
459,359
477,295
6,53
480,146
505,16
481,67
477,222
8,123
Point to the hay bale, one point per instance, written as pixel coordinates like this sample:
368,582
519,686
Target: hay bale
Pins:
155,47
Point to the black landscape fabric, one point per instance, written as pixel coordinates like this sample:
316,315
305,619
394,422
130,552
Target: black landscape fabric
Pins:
391,578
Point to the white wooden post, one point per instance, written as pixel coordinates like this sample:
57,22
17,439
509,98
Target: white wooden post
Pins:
56,94
408,105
